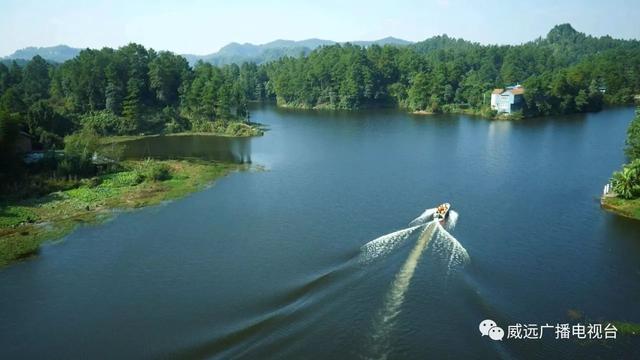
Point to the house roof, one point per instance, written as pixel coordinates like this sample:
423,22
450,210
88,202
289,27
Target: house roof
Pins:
518,90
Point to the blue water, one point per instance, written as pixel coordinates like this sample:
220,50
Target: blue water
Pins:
265,263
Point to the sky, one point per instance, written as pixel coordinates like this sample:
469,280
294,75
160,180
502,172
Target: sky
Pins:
203,27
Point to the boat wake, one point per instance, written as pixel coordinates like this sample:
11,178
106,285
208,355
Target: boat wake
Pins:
385,244
425,217
434,236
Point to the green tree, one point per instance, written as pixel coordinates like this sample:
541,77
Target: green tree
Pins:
114,99
35,80
419,92
11,101
626,182
9,159
46,125
166,74
132,109
79,149
632,149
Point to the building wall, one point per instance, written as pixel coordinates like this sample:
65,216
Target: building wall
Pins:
504,102
494,101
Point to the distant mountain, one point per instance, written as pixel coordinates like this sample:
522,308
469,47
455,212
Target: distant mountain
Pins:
386,41
231,53
60,53
238,53
569,45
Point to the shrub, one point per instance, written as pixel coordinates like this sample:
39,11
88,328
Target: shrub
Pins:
123,179
633,138
78,151
626,182
174,123
151,170
107,123
241,129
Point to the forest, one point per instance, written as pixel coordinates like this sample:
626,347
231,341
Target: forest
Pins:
565,72
626,182
134,90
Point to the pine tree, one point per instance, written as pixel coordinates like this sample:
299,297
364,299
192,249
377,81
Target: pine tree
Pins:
132,107
113,101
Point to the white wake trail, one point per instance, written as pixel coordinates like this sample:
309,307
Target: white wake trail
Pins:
445,247
385,244
452,220
395,297
448,249
424,218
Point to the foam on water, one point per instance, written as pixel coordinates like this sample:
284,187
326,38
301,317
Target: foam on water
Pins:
424,218
452,220
385,244
444,246
395,297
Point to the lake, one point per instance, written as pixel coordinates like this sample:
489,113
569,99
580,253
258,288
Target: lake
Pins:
208,147
270,263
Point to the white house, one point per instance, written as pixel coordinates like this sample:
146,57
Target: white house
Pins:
507,100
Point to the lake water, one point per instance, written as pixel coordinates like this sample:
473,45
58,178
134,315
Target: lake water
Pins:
268,264
221,148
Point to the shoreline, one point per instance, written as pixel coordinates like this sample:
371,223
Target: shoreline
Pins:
626,208
484,113
116,139
26,224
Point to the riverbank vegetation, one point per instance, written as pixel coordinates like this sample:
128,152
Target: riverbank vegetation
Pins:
25,223
625,183
64,110
128,91
565,72
133,90
82,183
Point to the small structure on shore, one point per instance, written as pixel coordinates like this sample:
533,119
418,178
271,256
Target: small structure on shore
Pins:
508,100
607,191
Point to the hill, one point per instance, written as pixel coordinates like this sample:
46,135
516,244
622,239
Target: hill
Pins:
59,53
259,54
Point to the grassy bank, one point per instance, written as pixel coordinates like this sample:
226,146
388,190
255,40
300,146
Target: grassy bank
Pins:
235,130
26,224
627,208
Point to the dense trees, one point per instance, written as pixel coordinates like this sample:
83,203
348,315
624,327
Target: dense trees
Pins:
131,90
626,182
632,142
134,90
565,72
125,91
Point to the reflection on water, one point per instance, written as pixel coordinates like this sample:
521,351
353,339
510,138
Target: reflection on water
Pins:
207,147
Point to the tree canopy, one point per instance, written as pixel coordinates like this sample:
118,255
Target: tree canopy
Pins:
133,90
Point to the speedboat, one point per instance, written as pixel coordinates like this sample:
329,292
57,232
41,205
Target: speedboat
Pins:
442,212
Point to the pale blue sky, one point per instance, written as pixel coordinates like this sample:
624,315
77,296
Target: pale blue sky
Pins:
201,27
